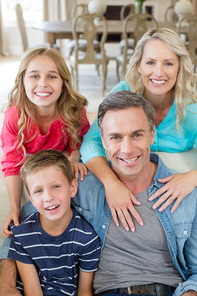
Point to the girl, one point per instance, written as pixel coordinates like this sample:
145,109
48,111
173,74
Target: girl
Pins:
44,112
161,70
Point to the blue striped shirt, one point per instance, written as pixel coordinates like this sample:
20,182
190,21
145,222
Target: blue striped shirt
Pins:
57,258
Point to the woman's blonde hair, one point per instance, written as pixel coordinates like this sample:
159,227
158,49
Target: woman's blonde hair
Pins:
185,87
68,106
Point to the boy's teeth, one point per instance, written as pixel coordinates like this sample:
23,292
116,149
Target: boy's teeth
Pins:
129,160
51,208
158,81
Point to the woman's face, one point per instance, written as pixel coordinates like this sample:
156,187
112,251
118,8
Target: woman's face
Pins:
158,67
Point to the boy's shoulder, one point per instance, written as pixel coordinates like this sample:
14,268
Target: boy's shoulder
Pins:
26,224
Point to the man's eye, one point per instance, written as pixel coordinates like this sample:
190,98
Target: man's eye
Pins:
137,135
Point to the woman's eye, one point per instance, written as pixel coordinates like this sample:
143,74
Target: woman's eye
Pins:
34,76
168,64
38,191
52,77
150,63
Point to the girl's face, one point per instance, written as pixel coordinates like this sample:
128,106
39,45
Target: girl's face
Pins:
43,83
158,67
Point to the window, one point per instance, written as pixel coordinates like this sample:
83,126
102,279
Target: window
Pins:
32,11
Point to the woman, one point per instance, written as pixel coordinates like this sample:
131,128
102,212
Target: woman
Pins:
160,70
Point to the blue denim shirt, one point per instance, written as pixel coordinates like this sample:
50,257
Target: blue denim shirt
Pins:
180,227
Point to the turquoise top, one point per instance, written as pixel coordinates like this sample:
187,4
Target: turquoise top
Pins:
167,139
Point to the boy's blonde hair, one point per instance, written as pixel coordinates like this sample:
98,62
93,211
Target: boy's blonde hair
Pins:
43,159
68,106
185,87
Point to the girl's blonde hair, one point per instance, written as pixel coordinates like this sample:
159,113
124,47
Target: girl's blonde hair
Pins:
68,106
185,87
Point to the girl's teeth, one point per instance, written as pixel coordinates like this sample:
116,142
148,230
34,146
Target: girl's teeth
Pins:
130,160
42,94
158,81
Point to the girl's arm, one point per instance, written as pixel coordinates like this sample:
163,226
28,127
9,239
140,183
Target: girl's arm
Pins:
30,279
118,196
76,165
85,284
14,187
177,187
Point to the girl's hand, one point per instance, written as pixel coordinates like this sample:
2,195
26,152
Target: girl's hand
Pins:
120,201
177,187
78,167
13,216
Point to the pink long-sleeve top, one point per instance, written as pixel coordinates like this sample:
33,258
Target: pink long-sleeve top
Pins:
54,139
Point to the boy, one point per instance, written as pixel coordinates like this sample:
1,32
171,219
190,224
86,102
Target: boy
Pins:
56,250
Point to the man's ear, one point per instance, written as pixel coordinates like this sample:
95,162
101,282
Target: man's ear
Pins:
139,67
152,136
74,187
102,139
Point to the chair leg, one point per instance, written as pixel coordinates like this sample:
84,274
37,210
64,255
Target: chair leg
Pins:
104,70
117,72
76,77
97,69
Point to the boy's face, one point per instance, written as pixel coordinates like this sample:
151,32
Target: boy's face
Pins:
50,193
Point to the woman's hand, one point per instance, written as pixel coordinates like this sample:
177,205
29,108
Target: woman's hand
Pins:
177,187
120,201
14,217
78,167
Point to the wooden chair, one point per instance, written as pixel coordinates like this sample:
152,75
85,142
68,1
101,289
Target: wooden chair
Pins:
22,29
124,12
170,15
191,44
77,10
139,27
86,23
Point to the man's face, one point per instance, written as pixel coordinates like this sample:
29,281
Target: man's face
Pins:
127,138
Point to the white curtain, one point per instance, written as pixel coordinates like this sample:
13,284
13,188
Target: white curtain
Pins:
56,10
3,46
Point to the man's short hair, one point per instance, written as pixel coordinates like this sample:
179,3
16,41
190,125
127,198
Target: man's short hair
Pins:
125,99
43,159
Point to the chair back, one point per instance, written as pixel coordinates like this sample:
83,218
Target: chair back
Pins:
79,9
191,28
21,25
138,23
84,24
126,10
170,15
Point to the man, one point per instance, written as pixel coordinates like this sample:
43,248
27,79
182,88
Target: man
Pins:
161,255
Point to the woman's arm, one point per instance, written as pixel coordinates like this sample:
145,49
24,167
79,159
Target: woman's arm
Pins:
177,187
85,284
76,165
118,196
30,279
14,187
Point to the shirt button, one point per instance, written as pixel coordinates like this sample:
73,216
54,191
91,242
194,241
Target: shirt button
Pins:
185,232
80,209
103,226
